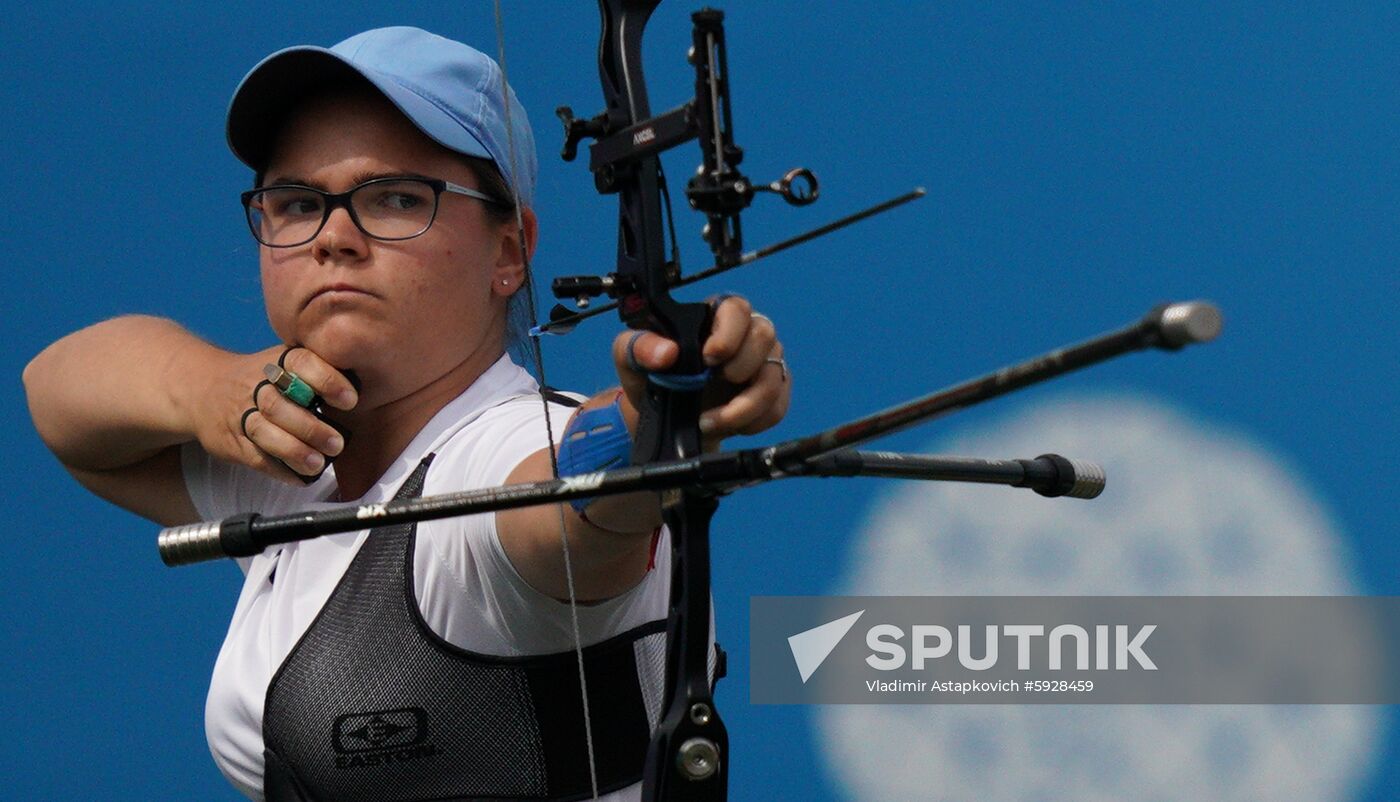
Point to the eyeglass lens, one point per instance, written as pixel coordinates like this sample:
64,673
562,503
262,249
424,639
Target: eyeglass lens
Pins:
384,210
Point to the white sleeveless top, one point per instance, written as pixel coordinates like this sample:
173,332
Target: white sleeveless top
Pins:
468,591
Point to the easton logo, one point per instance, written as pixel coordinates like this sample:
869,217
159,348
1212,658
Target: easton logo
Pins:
384,729
381,737
643,136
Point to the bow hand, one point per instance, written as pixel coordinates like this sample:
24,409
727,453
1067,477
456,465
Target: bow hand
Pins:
749,389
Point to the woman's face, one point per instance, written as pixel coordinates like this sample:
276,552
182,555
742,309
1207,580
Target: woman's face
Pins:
403,313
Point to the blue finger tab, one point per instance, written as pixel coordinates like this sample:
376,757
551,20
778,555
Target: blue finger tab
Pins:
686,383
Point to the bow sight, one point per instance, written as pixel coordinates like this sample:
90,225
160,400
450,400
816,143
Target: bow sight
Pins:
626,147
717,189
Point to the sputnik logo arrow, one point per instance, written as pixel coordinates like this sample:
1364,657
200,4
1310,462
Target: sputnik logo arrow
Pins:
811,648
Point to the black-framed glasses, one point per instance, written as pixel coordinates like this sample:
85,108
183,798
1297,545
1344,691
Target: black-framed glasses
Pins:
288,215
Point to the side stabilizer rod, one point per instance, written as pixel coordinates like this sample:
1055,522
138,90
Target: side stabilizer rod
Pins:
1050,475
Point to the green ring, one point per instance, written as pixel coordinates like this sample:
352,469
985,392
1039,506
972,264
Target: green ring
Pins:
299,391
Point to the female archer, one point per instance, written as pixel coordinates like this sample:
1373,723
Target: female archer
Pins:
392,204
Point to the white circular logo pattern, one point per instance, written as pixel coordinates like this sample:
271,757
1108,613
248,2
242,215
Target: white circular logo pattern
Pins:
1189,510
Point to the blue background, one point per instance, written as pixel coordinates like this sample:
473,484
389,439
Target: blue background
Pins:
1083,162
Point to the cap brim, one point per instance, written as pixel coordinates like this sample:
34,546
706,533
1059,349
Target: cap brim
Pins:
274,87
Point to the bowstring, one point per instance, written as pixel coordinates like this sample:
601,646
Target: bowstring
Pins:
538,357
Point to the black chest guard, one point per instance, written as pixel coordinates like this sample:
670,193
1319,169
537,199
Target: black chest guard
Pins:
372,705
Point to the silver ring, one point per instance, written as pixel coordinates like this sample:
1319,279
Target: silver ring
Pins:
780,362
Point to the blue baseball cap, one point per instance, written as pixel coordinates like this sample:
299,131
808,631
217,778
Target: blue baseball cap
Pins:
450,91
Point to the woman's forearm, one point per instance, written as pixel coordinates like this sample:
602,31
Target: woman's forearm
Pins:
119,391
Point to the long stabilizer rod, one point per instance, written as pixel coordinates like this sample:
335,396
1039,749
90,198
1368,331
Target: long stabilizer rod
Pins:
1170,326
246,535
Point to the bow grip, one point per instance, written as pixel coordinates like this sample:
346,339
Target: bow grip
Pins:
673,399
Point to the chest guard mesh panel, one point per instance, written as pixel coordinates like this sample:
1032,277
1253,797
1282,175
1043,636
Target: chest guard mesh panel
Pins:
372,705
